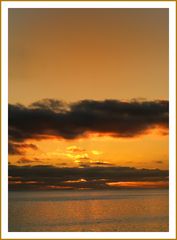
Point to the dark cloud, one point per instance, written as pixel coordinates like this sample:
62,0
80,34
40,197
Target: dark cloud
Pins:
19,148
91,177
50,104
87,164
116,118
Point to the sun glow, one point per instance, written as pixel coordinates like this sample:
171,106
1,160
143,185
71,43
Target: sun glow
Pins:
139,184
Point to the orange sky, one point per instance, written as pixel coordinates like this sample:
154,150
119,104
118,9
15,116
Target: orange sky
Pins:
149,151
76,54
73,54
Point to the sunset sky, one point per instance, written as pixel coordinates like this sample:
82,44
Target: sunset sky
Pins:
88,91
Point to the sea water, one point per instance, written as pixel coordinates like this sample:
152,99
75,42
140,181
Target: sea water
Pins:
134,210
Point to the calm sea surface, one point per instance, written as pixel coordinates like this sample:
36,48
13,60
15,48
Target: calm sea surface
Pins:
98,211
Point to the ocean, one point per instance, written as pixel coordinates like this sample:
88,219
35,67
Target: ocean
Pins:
133,210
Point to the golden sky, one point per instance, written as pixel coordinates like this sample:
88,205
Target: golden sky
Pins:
73,55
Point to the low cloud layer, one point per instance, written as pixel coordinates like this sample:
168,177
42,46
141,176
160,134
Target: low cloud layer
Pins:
70,121
44,177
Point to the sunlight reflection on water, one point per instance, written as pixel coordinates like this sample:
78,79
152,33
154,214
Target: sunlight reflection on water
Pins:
98,211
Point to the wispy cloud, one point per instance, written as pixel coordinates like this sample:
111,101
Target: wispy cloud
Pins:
25,160
20,148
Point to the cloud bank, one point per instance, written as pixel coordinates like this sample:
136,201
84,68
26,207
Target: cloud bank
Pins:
47,177
115,118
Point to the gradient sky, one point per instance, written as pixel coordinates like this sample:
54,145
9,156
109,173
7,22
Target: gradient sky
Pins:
75,54
97,54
